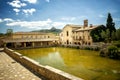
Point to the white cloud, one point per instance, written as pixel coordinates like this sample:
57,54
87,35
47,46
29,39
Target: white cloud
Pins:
8,20
17,4
101,16
32,24
58,24
29,11
46,24
68,18
31,1
116,19
1,20
47,0
16,10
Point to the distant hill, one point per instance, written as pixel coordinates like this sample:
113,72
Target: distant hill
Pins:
52,30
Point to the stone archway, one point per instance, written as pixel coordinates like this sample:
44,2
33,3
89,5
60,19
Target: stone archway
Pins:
79,43
67,41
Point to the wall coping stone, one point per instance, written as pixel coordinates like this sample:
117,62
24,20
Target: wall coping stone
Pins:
31,60
18,53
72,77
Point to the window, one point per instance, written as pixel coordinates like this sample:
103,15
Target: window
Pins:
67,33
80,38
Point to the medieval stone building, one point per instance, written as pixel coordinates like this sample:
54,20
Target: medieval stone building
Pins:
30,39
77,34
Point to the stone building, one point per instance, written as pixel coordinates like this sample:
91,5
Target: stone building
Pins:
30,39
77,34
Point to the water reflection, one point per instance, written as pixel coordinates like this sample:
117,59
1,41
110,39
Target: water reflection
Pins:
82,63
52,59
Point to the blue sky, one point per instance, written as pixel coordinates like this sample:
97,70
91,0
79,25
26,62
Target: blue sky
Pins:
28,15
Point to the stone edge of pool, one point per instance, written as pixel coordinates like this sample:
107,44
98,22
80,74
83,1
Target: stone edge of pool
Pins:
46,71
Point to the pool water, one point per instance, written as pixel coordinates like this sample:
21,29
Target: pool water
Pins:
85,64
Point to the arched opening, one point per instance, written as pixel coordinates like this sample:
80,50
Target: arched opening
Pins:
10,45
89,43
28,44
67,41
79,43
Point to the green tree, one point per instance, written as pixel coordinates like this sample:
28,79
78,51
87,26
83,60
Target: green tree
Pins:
113,37
110,24
103,35
108,38
1,34
118,34
106,35
96,33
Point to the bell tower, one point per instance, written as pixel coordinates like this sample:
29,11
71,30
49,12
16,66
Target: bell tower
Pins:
85,23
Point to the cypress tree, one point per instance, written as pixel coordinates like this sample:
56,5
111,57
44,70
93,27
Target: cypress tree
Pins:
110,24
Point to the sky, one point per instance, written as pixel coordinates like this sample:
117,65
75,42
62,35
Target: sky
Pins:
29,15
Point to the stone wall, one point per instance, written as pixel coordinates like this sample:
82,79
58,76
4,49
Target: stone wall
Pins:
46,71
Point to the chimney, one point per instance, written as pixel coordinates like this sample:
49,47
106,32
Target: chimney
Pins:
91,25
85,23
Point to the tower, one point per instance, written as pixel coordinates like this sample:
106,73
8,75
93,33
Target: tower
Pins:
85,23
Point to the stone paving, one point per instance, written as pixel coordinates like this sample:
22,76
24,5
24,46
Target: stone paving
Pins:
12,70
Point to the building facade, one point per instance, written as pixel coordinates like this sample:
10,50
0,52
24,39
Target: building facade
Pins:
30,39
77,34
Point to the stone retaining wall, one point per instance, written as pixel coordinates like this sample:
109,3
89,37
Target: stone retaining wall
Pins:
46,71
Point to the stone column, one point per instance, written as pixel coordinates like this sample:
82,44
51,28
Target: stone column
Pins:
33,45
41,44
24,44
5,45
15,45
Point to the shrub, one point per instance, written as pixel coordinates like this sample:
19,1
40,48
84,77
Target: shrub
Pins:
87,48
112,51
117,44
103,52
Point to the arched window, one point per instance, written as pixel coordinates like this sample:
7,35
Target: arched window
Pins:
67,33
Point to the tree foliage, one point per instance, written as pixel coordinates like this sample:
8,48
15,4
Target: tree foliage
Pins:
118,34
106,35
96,33
110,24
1,34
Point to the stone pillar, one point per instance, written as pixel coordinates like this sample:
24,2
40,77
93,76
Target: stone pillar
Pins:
33,45
24,44
15,45
41,44
5,45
